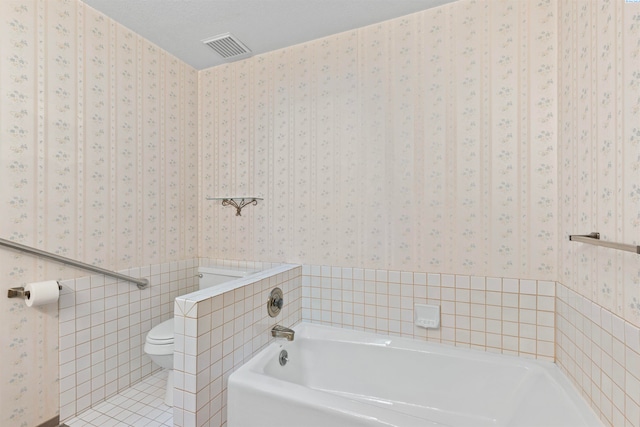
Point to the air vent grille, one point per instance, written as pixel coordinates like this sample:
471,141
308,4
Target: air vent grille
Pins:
227,46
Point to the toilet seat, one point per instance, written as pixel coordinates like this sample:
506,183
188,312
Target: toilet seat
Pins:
160,339
162,332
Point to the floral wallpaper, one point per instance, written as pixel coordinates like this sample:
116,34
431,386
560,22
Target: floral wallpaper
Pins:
424,143
98,162
599,148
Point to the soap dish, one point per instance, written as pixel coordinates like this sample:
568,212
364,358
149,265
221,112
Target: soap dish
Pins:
427,316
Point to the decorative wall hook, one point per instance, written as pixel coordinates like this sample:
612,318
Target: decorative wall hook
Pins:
237,202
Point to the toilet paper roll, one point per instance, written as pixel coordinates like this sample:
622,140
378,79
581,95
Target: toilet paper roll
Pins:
42,293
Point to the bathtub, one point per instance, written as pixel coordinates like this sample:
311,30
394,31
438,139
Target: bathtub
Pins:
338,377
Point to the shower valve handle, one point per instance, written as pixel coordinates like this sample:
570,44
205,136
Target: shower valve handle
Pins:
278,302
275,302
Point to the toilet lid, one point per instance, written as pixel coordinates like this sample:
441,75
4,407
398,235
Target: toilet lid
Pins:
162,333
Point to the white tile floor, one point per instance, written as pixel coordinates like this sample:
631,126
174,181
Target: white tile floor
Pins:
141,405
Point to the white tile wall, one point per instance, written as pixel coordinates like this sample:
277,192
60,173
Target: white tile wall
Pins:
214,335
103,324
102,327
502,315
600,352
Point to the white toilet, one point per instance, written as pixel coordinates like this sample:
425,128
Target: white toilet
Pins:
159,342
159,346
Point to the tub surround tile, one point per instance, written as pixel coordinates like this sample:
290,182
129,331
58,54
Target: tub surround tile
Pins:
599,352
487,313
228,330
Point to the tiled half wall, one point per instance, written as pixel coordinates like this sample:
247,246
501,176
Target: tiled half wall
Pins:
103,324
102,327
214,335
495,314
600,352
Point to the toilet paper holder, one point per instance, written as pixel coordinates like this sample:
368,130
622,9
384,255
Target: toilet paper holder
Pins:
21,293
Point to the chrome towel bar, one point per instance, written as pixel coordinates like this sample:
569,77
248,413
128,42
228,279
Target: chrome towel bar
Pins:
142,283
594,239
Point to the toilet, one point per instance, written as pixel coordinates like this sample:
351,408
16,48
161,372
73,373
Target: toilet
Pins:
159,346
160,339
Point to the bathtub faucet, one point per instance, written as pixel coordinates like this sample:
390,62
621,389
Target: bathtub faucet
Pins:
282,332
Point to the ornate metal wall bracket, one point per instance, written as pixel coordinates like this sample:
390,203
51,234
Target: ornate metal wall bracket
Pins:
237,202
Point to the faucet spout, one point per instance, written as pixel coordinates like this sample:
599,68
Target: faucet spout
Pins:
282,332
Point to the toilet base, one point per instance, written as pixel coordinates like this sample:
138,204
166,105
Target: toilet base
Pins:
168,396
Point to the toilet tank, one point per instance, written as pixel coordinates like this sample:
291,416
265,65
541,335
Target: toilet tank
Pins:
213,276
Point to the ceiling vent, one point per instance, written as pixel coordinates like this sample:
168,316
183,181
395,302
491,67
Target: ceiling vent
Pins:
228,46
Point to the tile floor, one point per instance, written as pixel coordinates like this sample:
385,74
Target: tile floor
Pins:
141,405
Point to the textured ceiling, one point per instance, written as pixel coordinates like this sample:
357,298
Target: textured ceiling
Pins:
178,26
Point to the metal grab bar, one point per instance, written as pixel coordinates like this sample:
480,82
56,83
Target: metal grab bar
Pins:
142,283
594,239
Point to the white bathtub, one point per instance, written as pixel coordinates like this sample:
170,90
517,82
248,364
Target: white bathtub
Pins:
337,377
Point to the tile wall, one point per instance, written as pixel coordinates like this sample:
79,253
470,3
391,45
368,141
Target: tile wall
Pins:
215,335
600,352
501,315
102,328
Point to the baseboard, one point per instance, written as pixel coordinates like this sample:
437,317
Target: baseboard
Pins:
53,422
